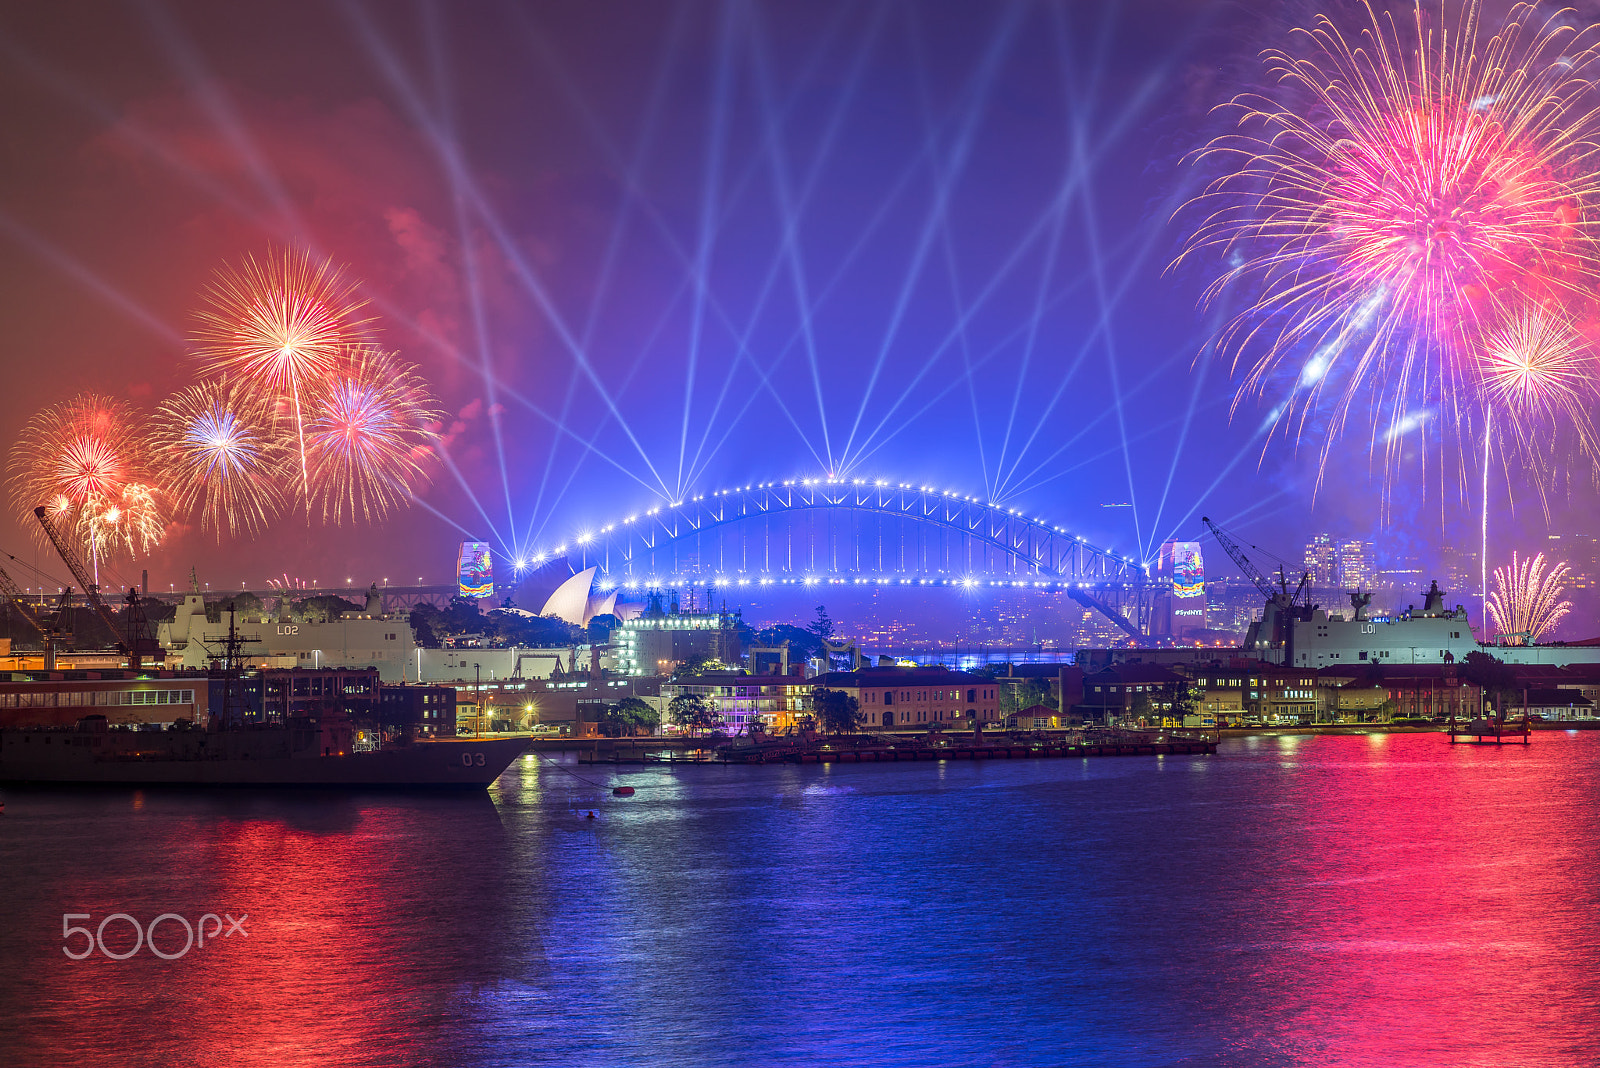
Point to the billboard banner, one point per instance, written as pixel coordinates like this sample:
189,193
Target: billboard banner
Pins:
1181,560
475,570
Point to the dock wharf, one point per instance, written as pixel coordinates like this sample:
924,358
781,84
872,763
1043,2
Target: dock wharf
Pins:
912,751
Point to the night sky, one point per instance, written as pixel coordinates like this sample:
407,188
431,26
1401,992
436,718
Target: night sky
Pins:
650,249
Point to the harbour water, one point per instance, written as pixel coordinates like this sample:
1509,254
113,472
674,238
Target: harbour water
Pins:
1372,900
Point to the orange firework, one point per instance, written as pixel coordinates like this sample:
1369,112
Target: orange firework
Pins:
1527,599
367,443
279,327
85,461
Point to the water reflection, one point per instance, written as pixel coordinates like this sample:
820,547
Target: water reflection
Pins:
1295,900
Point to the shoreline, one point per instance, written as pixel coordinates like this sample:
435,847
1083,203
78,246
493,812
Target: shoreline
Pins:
1331,728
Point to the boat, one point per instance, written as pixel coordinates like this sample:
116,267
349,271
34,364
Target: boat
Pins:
93,752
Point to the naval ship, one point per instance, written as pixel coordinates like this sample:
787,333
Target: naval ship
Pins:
327,751
368,638
266,755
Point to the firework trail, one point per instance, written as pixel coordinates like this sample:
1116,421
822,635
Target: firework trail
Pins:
1526,600
280,327
1392,197
85,462
367,445
220,456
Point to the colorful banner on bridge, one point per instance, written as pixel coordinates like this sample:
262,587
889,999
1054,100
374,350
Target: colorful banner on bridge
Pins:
475,570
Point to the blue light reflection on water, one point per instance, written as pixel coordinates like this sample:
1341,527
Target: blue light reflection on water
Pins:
1292,900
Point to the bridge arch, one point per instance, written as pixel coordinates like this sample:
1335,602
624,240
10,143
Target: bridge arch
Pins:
954,537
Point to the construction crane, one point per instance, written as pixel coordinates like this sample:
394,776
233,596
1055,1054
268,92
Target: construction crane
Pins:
137,643
1242,559
47,632
1282,610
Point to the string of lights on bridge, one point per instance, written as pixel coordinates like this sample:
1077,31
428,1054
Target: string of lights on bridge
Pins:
586,537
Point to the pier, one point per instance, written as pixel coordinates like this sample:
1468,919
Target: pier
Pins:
876,751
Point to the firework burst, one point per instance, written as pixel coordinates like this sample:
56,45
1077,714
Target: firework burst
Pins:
220,457
367,444
85,462
1537,380
1526,600
1535,366
1387,194
279,327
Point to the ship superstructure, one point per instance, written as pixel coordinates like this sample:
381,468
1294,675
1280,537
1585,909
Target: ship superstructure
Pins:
369,638
1432,634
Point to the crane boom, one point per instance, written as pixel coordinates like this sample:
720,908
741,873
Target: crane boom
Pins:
13,593
91,589
47,633
136,643
1251,571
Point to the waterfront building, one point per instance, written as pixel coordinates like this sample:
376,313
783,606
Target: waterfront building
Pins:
1558,704
61,698
1282,696
914,697
1221,702
742,700
1034,718
1131,691
290,693
1429,691
664,636
429,711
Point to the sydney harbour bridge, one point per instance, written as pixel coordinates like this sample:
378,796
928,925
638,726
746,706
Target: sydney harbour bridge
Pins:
824,531
815,531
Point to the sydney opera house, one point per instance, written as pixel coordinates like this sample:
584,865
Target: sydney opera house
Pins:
578,601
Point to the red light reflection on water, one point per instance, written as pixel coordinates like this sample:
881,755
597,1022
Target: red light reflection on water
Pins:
1438,904
339,926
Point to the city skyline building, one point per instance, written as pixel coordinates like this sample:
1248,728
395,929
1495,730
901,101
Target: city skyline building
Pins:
1355,564
1322,560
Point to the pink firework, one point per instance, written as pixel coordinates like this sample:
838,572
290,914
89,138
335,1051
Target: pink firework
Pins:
1392,195
368,445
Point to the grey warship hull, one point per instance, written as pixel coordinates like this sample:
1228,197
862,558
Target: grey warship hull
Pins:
244,758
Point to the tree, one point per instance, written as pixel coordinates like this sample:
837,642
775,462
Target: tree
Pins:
695,664
690,711
1187,698
803,643
627,717
324,608
1018,694
639,713
1490,674
838,712
822,627
1141,706
423,618
540,632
